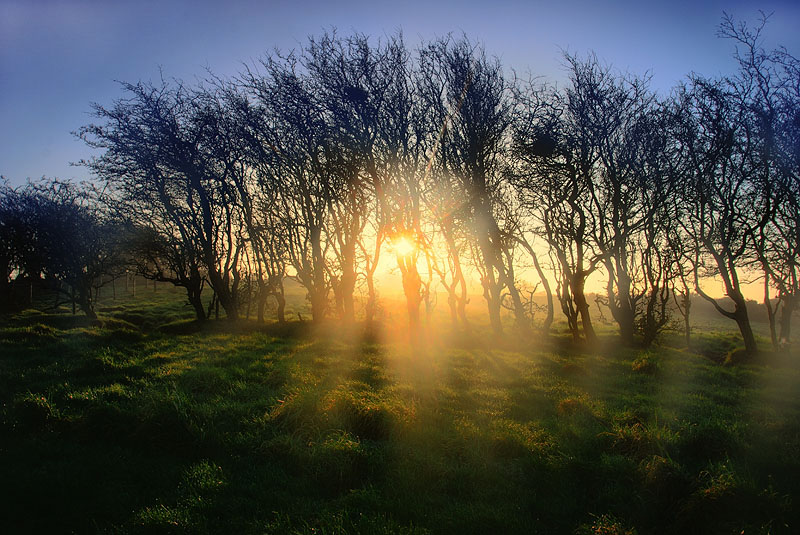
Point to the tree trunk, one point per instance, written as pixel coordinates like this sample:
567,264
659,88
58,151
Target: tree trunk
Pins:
625,320
582,306
787,310
548,320
249,299
348,286
687,328
491,292
453,304
743,321
411,288
211,303
747,333
318,294
280,312
348,281
770,314
619,302
85,302
460,296
520,316
567,301
318,304
195,299
225,297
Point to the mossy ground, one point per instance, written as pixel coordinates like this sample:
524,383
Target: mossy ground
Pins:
147,423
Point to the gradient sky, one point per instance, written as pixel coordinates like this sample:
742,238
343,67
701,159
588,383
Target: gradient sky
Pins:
56,57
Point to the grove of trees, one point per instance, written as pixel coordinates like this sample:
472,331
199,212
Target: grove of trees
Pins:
317,164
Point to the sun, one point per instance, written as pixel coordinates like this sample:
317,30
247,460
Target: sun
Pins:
403,246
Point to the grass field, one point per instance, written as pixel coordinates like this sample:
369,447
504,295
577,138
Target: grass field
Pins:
150,424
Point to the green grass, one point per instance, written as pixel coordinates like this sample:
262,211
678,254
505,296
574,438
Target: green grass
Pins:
145,423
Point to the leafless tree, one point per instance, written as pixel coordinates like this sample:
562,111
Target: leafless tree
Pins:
765,89
467,97
163,156
555,181
719,216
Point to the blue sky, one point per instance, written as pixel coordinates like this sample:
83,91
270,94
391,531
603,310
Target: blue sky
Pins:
56,57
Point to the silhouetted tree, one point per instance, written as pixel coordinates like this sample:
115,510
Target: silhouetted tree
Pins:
719,216
165,157
291,163
368,96
765,89
71,242
12,240
467,97
555,182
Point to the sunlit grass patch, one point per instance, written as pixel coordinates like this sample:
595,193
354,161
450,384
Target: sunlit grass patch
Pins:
639,441
646,363
306,431
516,440
361,412
38,333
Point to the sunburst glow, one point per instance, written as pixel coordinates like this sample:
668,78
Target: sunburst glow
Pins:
404,246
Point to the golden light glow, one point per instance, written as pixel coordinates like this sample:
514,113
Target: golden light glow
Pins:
403,246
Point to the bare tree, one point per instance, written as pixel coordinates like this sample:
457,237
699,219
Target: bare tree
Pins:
75,246
719,219
554,180
467,97
448,210
290,148
163,156
14,240
765,89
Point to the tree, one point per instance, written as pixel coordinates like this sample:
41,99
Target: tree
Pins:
708,129
291,150
466,97
374,118
165,159
71,241
554,180
13,240
765,89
